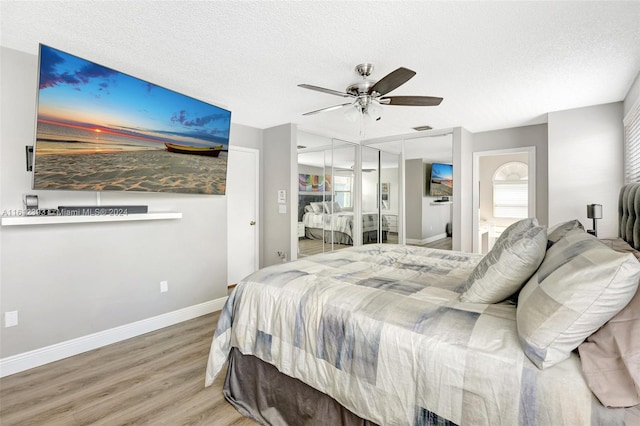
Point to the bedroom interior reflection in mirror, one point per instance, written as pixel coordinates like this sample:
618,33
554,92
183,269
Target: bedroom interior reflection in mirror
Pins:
326,185
341,202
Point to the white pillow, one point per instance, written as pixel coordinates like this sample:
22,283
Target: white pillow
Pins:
332,207
508,266
317,207
580,285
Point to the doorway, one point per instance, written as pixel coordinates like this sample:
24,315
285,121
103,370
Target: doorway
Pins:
504,192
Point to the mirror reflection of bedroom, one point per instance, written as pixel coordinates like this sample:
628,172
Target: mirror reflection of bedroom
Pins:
329,185
428,189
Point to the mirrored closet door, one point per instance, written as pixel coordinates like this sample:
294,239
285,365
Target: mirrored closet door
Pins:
373,228
429,191
391,200
326,188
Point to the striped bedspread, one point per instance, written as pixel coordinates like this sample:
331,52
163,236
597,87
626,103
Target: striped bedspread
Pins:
381,330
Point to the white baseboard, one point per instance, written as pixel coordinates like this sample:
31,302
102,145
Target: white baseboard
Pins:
35,358
427,240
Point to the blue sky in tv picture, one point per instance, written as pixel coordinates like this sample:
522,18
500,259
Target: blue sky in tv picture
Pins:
441,180
100,129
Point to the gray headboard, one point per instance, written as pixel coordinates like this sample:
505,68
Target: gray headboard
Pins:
629,214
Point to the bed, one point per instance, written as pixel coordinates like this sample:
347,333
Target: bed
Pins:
327,221
337,227
400,335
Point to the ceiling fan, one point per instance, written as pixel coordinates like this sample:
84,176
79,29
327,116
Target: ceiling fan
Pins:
367,95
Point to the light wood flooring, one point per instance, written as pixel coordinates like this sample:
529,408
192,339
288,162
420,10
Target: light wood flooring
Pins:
153,379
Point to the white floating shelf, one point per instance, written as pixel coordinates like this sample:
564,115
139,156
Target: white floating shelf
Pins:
53,220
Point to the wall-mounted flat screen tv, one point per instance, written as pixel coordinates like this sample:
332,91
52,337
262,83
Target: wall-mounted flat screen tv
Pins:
102,130
441,180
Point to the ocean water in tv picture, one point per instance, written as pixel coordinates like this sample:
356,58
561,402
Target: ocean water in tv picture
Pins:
102,130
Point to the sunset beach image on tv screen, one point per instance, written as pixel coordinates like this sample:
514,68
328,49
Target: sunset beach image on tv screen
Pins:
441,180
102,130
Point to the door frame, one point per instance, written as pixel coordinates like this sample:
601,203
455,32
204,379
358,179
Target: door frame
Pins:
531,151
256,154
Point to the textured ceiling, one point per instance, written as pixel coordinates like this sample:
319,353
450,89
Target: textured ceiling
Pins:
496,64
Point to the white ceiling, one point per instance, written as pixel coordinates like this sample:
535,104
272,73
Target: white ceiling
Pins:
496,64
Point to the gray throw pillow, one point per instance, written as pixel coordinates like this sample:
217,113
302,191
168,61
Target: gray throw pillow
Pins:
560,230
580,285
517,228
508,266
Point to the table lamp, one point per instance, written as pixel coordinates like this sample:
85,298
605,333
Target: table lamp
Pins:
594,211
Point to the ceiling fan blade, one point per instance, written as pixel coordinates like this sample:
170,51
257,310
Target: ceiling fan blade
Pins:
391,81
323,90
331,108
410,100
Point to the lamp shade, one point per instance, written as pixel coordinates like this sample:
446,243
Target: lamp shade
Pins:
594,211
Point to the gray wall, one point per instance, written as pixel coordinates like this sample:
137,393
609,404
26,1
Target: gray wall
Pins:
68,281
520,137
586,164
425,220
414,192
279,171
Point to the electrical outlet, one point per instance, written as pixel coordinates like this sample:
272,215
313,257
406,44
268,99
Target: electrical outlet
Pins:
10,318
164,286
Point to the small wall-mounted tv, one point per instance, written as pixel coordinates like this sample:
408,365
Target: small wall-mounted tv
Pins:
102,130
441,180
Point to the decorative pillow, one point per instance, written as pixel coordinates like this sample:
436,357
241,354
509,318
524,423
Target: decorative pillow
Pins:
517,228
308,209
317,207
560,230
580,285
610,357
507,267
332,207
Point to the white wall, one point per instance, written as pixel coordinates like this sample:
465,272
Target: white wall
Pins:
68,281
463,146
633,96
585,164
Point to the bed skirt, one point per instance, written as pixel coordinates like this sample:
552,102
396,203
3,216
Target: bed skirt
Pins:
259,391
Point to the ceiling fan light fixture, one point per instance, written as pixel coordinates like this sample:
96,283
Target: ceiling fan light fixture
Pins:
353,113
374,111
